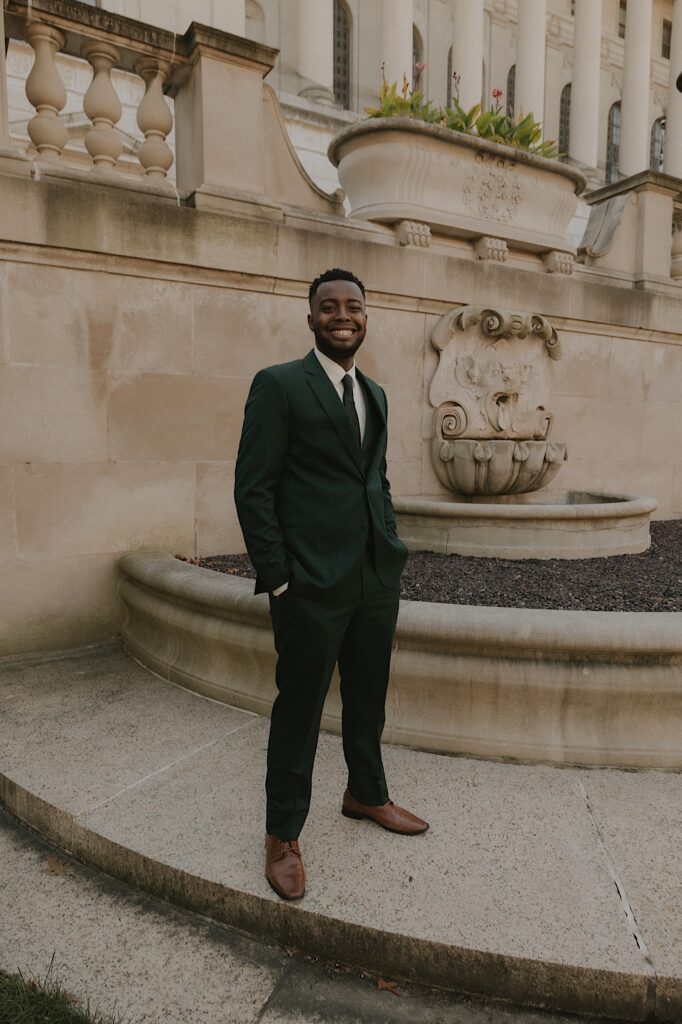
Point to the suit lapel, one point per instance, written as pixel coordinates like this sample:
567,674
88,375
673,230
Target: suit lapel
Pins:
375,396
376,418
329,400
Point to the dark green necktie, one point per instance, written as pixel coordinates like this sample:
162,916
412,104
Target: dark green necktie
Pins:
349,406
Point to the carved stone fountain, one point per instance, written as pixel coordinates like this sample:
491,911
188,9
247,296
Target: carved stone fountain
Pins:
489,392
491,448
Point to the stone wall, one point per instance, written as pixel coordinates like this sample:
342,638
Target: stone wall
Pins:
130,328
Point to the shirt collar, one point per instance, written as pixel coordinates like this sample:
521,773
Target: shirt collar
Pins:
335,372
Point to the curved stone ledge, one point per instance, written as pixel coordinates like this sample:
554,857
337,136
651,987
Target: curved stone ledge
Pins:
562,687
577,525
573,987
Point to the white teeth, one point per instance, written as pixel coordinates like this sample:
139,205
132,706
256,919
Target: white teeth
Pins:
343,334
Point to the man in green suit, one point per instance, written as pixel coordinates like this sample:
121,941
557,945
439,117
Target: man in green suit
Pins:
315,508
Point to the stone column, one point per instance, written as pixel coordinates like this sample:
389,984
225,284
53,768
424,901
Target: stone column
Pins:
396,39
529,88
584,115
672,158
316,49
634,137
467,51
230,16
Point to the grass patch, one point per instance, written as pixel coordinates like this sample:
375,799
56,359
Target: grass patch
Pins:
45,1001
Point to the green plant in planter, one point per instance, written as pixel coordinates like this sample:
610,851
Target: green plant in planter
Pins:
493,124
406,103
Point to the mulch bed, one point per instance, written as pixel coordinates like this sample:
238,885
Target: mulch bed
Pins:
650,582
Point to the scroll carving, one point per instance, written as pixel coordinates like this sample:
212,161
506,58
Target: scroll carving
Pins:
490,392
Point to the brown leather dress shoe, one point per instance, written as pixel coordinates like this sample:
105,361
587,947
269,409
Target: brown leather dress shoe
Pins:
284,867
389,816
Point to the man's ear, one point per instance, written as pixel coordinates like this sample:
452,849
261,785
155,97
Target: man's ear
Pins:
310,322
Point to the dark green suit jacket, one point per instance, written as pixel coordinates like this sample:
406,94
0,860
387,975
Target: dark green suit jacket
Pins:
308,498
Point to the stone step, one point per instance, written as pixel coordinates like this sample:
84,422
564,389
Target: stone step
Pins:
146,962
542,886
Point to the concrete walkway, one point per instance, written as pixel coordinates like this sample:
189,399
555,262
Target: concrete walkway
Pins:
549,887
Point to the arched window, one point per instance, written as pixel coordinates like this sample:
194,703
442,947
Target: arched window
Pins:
511,82
657,148
564,119
622,17
448,91
255,22
341,54
613,143
417,51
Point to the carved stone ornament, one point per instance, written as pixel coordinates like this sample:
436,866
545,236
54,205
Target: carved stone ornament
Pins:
489,393
558,262
495,190
487,248
412,232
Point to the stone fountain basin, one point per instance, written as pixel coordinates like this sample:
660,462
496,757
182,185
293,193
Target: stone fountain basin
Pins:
560,687
570,524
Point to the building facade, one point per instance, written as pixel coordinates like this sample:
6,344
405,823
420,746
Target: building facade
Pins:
599,74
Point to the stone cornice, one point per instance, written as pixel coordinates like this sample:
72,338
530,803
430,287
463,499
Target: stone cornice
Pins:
653,180
80,22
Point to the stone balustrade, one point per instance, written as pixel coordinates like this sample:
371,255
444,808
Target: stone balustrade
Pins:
231,145
107,42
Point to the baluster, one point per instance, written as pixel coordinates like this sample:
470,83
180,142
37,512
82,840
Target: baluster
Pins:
45,91
154,119
4,115
102,106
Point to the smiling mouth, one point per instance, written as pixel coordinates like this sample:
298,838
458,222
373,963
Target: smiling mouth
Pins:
342,332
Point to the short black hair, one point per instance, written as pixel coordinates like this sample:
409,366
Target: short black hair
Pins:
335,274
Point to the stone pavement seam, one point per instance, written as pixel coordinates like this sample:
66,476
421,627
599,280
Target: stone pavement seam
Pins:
649,967
167,767
274,991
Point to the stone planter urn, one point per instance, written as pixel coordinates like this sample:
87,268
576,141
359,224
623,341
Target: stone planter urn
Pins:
397,170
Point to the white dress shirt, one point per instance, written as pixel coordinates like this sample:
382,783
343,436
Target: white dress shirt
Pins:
336,374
